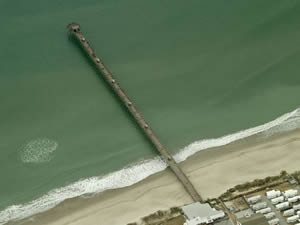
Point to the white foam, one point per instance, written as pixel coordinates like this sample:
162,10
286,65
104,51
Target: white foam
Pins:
137,172
119,179
284,122
291,123
38,150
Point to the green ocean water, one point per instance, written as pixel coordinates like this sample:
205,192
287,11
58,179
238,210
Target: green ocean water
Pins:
195,69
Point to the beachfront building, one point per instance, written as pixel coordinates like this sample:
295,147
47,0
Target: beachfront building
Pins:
294,199
296,207
274,221
255,219
277,200
258,206
282,206
290,193
292,219
289,212
254,199
270,215
197,213
273,194
264,211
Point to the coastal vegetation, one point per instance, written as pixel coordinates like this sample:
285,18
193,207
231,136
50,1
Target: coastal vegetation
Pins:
255,185
296,176
173,216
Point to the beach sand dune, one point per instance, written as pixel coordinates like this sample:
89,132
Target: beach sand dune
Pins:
212,172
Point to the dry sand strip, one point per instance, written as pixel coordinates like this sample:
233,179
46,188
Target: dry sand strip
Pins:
212,172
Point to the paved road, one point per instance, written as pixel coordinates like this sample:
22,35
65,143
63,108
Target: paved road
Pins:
225,222
282,220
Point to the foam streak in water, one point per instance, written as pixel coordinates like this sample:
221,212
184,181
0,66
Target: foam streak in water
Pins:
38,150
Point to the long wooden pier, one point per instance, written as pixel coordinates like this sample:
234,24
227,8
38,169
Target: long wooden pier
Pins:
75,30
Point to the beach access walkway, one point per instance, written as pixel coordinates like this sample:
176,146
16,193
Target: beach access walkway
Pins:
75,30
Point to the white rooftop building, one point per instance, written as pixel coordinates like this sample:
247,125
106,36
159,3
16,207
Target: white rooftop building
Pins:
294,199
273,194
290,193
292,219
274,221
289,212
258,206
270,215
277,200
197,213
296,207
254,199
283,205
264,211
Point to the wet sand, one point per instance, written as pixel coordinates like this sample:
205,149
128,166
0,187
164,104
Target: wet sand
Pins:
212,172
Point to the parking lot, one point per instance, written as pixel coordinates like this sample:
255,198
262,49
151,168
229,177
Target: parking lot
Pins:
282,219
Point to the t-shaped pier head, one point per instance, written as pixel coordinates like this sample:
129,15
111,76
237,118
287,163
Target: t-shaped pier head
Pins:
74,27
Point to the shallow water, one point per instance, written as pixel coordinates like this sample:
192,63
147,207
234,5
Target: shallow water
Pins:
195,70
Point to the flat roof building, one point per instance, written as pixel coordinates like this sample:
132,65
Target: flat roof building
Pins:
255,219
197,213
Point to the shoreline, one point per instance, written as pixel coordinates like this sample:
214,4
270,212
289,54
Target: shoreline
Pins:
246,159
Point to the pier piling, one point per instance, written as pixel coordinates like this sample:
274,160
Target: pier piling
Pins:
75,30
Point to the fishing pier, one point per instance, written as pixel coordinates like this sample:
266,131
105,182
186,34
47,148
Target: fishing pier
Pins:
75,31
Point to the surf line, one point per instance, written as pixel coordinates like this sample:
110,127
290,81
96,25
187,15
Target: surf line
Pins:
74,29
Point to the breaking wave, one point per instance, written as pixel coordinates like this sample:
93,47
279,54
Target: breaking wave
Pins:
286,122
137,172
119,179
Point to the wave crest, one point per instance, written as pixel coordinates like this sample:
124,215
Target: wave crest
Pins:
286,122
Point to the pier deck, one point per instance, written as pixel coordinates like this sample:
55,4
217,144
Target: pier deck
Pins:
75,30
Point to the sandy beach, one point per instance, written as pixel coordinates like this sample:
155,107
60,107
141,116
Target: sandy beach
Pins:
212,172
